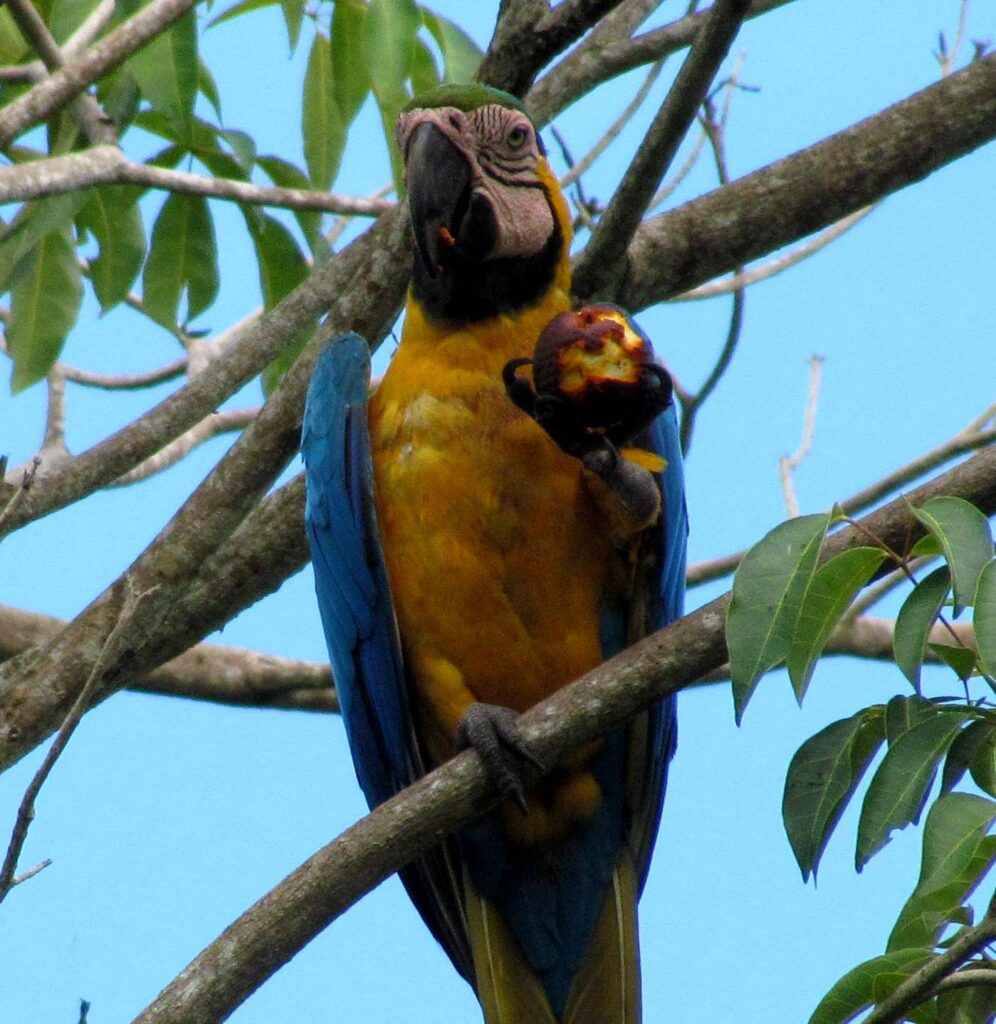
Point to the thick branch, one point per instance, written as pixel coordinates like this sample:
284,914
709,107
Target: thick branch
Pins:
104,165
117,46
288,917
810,189
529,34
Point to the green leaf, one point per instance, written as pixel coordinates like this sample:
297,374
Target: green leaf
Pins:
828,596
956,825
768,593
207,86
902,713
350,79
461,55
963,750
286,175
917,615
321,123
282,268
984,620
956,854
66,16
425,74
35,220
966,539
13,48
389,32
293,11
975,1004
113,216
822,778
243,7
242,145
868,983
898,789
182,256
961,659
983,763
45,303
168,72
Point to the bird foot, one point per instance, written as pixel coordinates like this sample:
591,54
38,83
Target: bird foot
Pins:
493,732
633,486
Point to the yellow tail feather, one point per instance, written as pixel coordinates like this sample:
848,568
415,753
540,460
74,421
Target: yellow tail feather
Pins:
606,989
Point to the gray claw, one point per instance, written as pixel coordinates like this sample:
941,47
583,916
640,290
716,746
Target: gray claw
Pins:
492,731
633,485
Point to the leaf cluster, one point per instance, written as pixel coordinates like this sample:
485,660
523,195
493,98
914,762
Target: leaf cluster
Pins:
784,606
387,49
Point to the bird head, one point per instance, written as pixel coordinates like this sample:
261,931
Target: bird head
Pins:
489,220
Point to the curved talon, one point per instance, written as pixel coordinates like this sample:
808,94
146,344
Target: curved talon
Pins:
519,390
492,731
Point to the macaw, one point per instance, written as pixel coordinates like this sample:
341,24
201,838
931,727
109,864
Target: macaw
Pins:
478,543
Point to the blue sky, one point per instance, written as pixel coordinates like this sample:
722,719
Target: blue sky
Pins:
165,819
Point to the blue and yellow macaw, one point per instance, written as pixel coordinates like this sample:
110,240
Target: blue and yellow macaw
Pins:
479,542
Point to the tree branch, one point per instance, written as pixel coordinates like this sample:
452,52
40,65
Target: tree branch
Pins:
529,33
103,165
96,125
275,928
812,188
206,672
34,689
594,270
254,347
604,56
44,99
920,985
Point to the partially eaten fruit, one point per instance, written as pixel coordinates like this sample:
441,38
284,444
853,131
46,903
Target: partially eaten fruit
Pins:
594,373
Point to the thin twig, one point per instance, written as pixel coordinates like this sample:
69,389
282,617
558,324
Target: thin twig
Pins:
714,129
96,125
103,165
216,424
787,464
124,381
26,810
763,271
27,479
31,872
922,983
612,132
51,94
603,260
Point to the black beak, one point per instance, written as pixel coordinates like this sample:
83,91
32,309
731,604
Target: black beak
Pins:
438,178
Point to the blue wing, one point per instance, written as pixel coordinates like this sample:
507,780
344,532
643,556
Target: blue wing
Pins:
350,578
354,600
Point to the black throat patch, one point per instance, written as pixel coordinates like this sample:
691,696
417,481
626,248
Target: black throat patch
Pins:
468,289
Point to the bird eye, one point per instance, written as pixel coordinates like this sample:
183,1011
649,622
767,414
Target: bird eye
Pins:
517,136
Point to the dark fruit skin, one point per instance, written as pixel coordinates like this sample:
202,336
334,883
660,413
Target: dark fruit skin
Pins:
594,376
